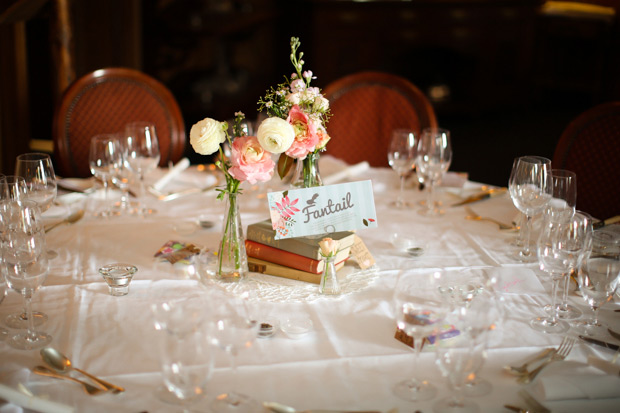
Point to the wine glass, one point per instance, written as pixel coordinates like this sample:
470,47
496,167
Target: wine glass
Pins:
458,358
105,156
599,277
419,309
530,190
142,154
3,287
121,177
562,207
232,330
38,172
14,189
561,248
432,160
185,355
401,157
25,264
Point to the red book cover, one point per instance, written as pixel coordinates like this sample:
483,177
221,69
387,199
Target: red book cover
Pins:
289,259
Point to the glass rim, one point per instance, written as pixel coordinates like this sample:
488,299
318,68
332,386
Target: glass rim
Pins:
33,157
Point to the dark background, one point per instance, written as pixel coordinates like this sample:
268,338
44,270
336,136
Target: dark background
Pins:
506,77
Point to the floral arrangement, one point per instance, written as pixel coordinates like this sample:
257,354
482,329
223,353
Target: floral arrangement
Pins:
301,106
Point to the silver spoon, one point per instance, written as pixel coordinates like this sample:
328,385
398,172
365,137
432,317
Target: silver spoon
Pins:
44,371
61,363
74,217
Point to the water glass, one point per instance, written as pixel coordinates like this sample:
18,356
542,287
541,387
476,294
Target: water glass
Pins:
433,159
38,173
142,154
401,157
104,158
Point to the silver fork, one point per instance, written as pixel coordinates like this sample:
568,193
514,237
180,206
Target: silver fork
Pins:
471,215
563,350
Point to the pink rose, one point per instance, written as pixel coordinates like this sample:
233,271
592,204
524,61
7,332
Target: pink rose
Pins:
250,162
306,137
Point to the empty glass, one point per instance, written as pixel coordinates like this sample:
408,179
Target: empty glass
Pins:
38,173
142,154
561,247
530,190
13,187
104,158
599,277
420,309
432,161
25,264
401,157
185,354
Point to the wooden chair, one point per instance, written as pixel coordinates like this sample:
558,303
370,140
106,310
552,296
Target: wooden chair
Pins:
104,101
590,147
366,107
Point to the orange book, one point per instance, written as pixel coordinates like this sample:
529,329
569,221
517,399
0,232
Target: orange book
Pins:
289,259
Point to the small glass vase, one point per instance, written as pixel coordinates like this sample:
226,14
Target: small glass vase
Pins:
232,265
306,174
329,280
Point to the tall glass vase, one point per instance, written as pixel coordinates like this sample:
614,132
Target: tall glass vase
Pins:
306,173
232,263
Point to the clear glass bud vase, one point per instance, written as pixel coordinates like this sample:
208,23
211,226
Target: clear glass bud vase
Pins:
329,280
306,173
232,263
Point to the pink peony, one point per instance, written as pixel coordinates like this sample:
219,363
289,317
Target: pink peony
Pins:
250,162
306,136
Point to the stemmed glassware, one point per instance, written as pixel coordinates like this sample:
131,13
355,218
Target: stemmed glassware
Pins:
24,264
104,158
530,190
432,161
142,154
561,248
562,207
185,354
401,157
13,187
121,177
420,309
599,278
38,173
233,330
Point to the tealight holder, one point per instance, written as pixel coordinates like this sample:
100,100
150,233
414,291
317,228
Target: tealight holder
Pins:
118,277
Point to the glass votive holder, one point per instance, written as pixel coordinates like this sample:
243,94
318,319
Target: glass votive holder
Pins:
118,277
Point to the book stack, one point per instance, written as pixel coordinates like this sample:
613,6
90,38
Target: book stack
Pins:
294,258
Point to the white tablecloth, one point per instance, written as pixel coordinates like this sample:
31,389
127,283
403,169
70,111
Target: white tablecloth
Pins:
349,361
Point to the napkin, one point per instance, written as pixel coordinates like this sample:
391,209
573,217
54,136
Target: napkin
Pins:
574,380
182,165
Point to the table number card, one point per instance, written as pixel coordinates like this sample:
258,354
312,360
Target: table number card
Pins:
322,210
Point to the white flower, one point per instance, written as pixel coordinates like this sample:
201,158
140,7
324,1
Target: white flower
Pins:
206,136
293,98
298,85
320,104
329,247
275,135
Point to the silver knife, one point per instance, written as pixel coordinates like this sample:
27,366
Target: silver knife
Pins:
610,346
533,403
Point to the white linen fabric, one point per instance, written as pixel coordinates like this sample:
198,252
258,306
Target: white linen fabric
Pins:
349,361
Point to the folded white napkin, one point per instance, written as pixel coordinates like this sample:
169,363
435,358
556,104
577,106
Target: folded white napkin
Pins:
182,165
349,172
574,380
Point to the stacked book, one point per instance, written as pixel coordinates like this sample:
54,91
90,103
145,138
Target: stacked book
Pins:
294,258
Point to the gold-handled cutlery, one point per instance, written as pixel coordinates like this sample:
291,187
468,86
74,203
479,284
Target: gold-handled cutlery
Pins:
88,388
71,219
522,369
62,364
471,215
563,350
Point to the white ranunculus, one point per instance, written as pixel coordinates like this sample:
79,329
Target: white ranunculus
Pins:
206,136
275,135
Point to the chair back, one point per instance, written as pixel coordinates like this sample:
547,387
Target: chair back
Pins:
104,101
366,107
590,147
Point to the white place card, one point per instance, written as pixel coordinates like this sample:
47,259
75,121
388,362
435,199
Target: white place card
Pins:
322,210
